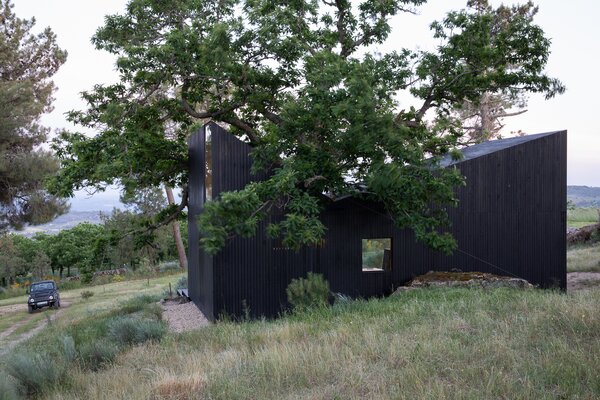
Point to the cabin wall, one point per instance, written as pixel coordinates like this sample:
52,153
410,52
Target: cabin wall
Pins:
511,221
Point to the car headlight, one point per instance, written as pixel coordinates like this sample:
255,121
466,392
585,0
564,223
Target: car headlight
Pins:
51,298
31,300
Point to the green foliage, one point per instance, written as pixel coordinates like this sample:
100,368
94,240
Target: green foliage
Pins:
303,84
8,388
27,61
137,304
96,355
86,294
35,372
128,240
74,248
312,291
68,349
129,331
182,283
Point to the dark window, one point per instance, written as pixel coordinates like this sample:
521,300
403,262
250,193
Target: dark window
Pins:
377,254
38,287
208,173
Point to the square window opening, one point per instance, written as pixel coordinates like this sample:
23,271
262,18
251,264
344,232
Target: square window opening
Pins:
376,254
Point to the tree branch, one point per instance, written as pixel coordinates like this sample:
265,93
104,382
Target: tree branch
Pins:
244,127
173,216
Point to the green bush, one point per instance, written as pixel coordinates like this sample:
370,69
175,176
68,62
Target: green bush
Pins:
95,355
136,304
153,311
68,347
170,266
36,373
312,291
182,283
86,294
129,331
8,388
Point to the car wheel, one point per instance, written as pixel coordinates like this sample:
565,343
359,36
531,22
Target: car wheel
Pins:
30,309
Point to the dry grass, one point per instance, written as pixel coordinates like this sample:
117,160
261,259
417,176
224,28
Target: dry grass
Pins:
441,343
175,388
584,258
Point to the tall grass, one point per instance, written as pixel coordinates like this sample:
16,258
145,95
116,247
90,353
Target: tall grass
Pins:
45,363
425,344
584,258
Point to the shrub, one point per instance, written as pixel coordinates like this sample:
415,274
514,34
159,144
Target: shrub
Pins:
8,388
94,355
68,347
36,373
118,278
312,291
153,311
170,266
137,303
182,283
86,294
128,330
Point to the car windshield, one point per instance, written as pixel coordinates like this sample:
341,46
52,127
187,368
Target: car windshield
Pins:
42,286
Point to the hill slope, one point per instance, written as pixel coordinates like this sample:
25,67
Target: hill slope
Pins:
425,344
584,196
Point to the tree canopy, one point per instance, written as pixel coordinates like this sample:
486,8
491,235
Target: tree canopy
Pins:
27,63
304,84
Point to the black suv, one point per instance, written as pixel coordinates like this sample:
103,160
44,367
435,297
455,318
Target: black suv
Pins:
43,294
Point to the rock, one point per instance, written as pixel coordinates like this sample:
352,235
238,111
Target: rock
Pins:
468,279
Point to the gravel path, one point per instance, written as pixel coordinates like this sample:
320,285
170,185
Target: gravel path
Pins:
183,317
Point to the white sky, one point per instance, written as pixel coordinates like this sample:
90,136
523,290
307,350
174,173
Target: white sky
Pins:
572,26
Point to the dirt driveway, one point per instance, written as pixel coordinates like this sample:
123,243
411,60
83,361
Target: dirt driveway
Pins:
8,340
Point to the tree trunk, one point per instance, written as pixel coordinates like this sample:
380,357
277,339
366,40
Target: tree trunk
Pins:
176,232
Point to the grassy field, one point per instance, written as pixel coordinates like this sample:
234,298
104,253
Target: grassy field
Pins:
75,308
584,258
579,217
425,344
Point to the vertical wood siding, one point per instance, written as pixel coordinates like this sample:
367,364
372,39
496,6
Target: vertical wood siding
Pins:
511,221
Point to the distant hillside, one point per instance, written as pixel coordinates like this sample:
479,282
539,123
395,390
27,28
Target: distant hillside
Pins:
66,221
584,196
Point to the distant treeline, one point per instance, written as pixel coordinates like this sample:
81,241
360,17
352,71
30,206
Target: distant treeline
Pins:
84,249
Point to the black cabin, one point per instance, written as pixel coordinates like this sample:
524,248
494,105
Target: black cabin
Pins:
511,220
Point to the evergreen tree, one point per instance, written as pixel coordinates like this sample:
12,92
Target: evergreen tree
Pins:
27,63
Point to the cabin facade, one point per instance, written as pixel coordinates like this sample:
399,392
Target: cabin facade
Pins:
511,220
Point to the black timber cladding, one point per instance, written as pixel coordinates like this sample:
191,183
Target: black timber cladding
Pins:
511,221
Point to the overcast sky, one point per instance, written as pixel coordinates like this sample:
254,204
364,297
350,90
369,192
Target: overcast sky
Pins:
572,27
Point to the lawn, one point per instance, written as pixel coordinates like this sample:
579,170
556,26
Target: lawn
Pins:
431,343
